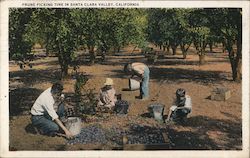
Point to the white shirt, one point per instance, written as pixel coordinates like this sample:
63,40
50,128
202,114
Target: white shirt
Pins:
44,103
188,103
107,98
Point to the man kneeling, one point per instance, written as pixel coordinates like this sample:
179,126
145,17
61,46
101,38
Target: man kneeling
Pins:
181,108
47,111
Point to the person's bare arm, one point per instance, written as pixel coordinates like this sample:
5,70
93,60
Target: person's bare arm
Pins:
66,131
169,114
182,107
135,73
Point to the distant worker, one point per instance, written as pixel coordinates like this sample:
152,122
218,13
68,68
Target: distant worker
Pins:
47,111
181,107
141,70
107,96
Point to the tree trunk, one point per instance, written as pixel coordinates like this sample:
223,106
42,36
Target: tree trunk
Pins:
223,47
184,50
62,61
235,57
236,68
167,45
47,45
237,71
238,60
196,45
65,69
174,49
211,47
103,56
184,54
202,59
134,49
46,50
63,65
201,52
92,55
168,49
236,64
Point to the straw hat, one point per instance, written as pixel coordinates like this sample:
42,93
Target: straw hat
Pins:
109,81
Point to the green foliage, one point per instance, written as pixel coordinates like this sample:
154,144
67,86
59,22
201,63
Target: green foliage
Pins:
85,98
169,27
19,46
63,31
227,24
120,27
55,28
108,29
81,80
155,33
91,96
40,27
200,30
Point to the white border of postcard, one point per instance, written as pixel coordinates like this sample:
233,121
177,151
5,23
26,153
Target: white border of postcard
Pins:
4,77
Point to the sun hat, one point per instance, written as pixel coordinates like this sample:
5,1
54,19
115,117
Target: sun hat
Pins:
108,81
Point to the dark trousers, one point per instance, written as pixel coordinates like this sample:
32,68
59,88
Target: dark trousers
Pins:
180,114
45,124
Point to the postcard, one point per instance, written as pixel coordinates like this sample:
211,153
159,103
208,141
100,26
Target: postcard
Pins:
124,78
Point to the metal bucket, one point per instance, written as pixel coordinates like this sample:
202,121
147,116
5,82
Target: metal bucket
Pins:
134,84
156,111
74,125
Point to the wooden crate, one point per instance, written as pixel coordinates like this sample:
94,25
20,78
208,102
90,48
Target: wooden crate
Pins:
220,94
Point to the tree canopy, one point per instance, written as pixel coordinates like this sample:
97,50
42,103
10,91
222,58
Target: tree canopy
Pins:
63,31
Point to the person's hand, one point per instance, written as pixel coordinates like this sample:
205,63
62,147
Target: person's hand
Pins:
142,75
62,97
68,134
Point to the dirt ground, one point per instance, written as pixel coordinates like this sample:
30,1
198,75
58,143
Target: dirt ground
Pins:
215,125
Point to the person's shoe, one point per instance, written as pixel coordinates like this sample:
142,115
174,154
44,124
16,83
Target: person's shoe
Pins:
51,134
36,130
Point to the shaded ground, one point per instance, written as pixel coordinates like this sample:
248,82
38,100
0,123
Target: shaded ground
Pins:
212,124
